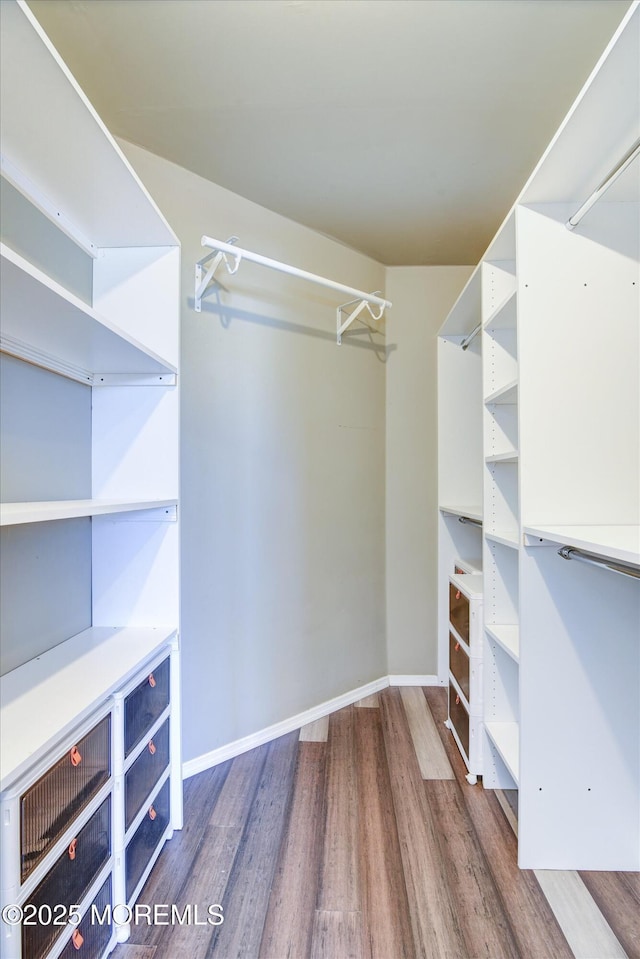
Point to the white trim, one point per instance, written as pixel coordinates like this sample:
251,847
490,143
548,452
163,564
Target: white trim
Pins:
411,680
239,746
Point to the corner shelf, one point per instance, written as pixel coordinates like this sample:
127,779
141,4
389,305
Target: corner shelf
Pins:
506,738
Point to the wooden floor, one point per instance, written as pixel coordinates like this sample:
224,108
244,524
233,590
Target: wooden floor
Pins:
359,837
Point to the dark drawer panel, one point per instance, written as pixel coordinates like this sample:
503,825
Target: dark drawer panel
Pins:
144,705
459,665
50,805
459,612
145,839
91,938
459,717
68,880
145,772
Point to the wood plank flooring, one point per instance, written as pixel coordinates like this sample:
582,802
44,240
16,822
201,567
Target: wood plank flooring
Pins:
360,837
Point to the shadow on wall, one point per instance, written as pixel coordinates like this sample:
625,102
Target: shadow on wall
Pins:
352,337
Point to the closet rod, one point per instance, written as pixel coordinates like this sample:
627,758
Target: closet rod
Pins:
611,177
592,559
221,249
468,339
467,519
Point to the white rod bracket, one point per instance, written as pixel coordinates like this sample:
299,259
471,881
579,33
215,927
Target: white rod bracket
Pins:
362,304
217,257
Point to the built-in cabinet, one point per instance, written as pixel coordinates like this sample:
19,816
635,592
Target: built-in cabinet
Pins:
90,530
539,392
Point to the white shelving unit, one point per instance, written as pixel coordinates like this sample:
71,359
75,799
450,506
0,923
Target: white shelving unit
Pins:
560,420
123,347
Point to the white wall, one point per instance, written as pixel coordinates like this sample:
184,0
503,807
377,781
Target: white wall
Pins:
421,297
282,454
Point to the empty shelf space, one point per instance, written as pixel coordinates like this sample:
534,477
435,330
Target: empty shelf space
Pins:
620,543
504,316
471,566
507,637
44,324
504,537
91,664
508,456
13,514
506,738
505,395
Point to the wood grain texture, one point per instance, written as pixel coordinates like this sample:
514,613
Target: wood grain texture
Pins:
585,928
315,732
429,750
485,927
617,896
176,859
369,702
237,793
386,925
337,935
435,925
533,924
246,897
127,951
339,889
291,911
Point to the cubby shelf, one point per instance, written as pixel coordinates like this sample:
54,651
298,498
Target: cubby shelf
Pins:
504,316
509,456
507,637
505,395
506,738
505,537
14,514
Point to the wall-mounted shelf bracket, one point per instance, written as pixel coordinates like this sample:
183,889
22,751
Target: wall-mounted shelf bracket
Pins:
216,257
219,255
341,327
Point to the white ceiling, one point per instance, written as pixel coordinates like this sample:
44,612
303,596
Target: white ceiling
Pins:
402,128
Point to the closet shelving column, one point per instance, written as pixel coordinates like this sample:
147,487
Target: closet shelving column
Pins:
502,517
120,350
460,468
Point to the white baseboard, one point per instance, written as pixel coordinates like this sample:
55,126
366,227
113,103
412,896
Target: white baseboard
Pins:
414,681
239,746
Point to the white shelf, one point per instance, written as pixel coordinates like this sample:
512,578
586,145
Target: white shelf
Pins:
44,324
472,566
505,395
504,316
620,543
509,456
468,583
69,165
507,637
37,708
13,514
504,537
465,312
470,512
506,738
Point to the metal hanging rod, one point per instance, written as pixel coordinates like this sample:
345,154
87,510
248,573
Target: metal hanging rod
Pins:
592,559
611,177
469,339
222,253
467,519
